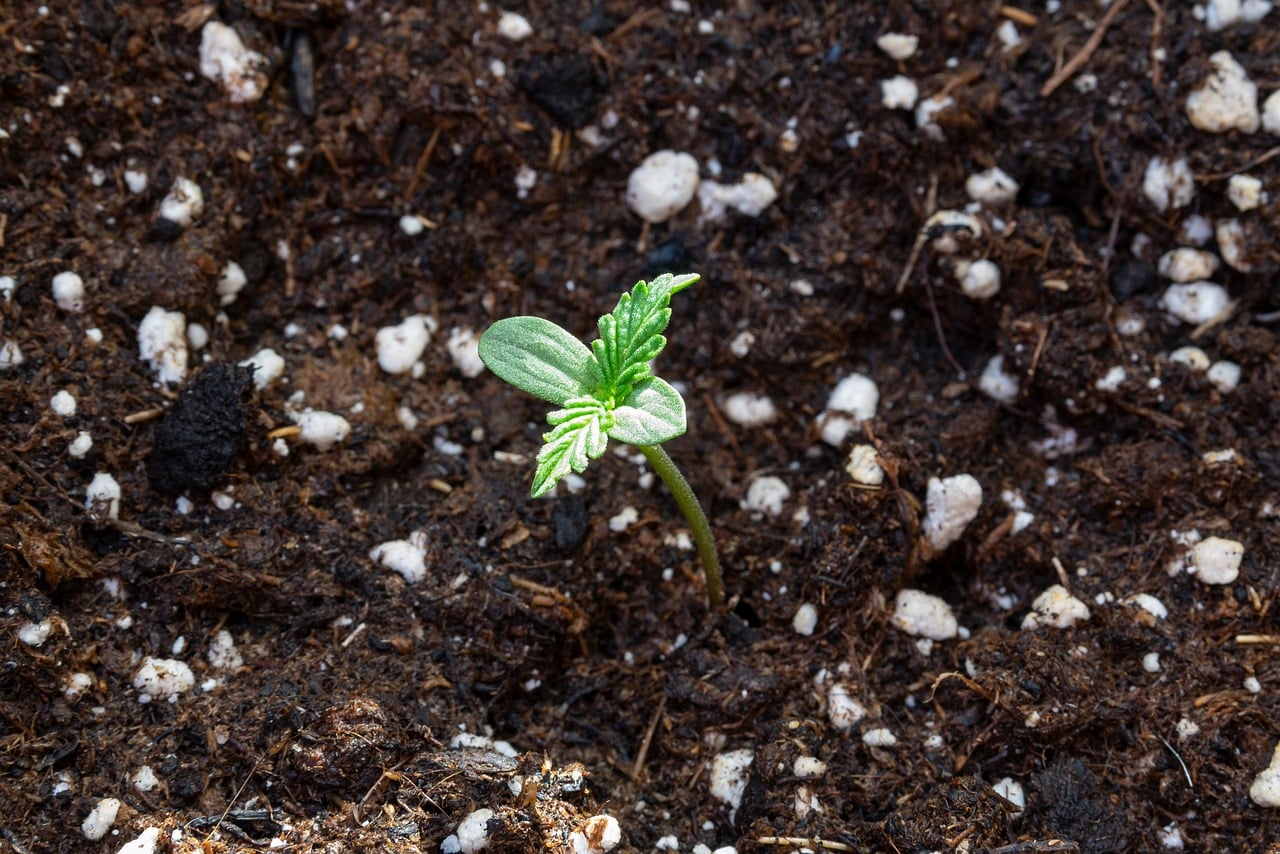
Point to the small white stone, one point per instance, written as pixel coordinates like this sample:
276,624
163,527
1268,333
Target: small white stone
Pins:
1271,113
35,634
1168,183
268,366
1057,608
898,46
1220,457
163,677
853,400
1224,375
922,615
407,557
599,834
766,494
750,196
623,519
231,282
1195,302
1220,14
464,349
1193,357
950,505
978,279
729,776
144,779
100,818
1151,662
81,445
473,831
927,110
162,342
950,225
1265,791
1232,244
749,409
991,187
225,59
662,185
1150,604
103,495
197,336
68,292
899,93
526,180
879,737
1215,560
808,767
223,654
805,619
514,26
742,343
1012,791
411,225
145,843
1227,100
400,346
63,404
1252,685
864,466
996,383
184,202
843,710
136,181
322,429
1112,380
1185,264
1245,192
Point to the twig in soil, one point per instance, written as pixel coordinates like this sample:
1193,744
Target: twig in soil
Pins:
1217,320
801,841
1062,572
1190,783
1157,30
930,208
1245,167
1019,16
1076,62
1260,639
1039,846
144,415
355,633
643,753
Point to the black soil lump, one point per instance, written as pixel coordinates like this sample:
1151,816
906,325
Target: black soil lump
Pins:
201,436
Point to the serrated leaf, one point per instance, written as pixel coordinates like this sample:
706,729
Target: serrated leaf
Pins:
631,335
580,435
541,358
652,414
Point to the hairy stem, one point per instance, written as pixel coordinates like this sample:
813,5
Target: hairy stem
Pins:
692,510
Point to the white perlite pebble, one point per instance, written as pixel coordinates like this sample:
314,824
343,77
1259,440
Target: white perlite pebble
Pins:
35,634
136,181
991,187
1111,380
268,366
766,495
623,519
400,346
729,776
162,342
950,505
1185,264
1168,183
1195,302
853,400
1220,14
978,279
197,336
225,59
1224,375
100,818
898,46
599,834
749,409
1012,791
843,710
1215,560
805,619
184,202
864,467
1056,607
1265,791
68,292
163,677
81,445
1228,99
514,26
996,383
750,196
927,109
322,429
1150,604
145,843
223,654
407,557
464,349
662,185
899,93
231,282
920,614
879,737
144,779
1271,113
1151,662
63,404
473,833
1232,244
1193,357
808,767
1245,192
103,496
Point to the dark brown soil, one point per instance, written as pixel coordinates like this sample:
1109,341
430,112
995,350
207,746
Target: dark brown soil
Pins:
590,650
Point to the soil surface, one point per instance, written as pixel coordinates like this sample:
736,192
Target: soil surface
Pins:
335,704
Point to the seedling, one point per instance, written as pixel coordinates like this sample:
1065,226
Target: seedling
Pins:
607,391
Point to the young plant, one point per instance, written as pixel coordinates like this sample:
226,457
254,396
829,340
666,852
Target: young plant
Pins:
607,391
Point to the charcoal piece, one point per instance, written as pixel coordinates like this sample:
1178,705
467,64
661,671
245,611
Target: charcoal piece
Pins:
570,519
566,88
201,436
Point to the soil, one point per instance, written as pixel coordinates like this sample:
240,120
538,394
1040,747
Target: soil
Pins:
591,651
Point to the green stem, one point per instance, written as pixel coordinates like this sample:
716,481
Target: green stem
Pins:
692,510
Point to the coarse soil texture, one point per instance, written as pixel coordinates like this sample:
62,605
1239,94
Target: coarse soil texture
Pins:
207,644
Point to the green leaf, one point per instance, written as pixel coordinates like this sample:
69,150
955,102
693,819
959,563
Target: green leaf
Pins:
541,358
652,414
631,335
580,435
